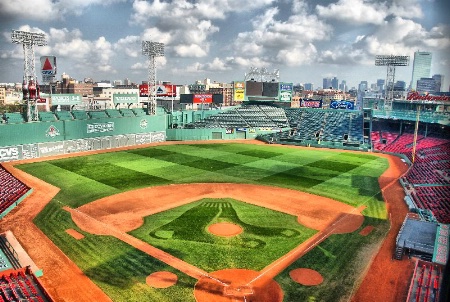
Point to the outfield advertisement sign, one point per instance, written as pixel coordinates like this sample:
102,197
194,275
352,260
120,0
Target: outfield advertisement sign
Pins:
27,151
342,105
125,98
440,254
311,103
239,91
9,153
161,90
100,127
202,98
51,149
285,92
67,99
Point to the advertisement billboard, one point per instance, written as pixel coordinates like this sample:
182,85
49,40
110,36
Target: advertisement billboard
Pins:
161,90
48,65
311,103
285,92
125,98
202,98
342,105
239,91
67,99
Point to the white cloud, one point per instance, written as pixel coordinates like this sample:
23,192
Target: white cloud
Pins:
354,11
190,50
130,45
400,36
41,9
409,9
47,10
277,42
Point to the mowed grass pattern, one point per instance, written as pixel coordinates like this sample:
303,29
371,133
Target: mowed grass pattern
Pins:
121,271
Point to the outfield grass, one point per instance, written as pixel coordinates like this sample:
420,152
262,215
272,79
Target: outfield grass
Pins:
120,270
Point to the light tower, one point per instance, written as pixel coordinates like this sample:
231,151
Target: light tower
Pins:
30,86
152,50
262,74
390,61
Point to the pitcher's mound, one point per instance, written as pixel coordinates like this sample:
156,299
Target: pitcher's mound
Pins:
306,276
231,285
225,229
161,279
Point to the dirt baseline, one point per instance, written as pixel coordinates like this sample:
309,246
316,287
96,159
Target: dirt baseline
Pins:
125,211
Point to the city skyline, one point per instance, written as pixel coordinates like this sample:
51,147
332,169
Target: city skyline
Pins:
306,40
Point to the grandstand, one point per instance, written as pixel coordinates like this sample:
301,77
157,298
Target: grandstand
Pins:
21,286
45,116
425,283
127,112
248,116
97,114
64,115
427,183
12,191
113,113
80,114
13,118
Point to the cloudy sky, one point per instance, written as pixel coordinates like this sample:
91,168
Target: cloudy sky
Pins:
306,40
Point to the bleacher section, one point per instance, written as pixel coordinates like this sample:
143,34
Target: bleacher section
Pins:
139,111
127,112
97,114
322,126
80,114
14,118
113,113
248,116
45,116
64,115
11,189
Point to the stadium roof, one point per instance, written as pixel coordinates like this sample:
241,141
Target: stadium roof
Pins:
418,235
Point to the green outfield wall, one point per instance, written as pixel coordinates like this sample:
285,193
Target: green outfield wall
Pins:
217,133
40,139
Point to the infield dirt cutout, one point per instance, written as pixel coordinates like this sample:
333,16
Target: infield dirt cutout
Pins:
161,279
121,213
225,229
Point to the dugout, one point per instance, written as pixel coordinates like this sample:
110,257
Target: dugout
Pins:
416,238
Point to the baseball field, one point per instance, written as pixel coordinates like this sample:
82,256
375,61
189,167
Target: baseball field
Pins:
205,222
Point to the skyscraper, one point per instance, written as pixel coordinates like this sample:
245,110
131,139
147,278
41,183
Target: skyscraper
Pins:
308,86
326,83
380,85
421,67
439,78
335,83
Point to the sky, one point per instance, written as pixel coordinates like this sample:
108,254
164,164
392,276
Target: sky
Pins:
306,40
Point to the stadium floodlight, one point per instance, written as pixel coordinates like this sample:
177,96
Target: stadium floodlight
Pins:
391,62
262,75
30,86
152,50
